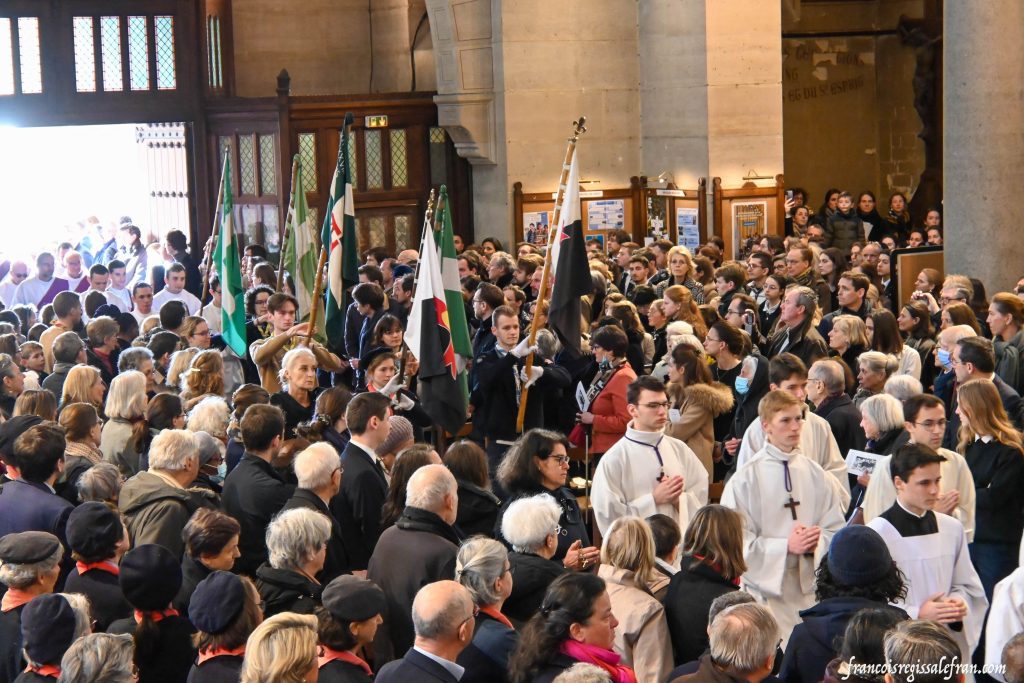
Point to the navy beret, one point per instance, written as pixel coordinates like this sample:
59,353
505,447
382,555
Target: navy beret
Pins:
93,530
858,556
349,598
150,577
47,628
216,602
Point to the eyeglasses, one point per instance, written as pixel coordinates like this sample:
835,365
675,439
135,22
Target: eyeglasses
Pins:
709,339
560,459
932,424
656,406
559,531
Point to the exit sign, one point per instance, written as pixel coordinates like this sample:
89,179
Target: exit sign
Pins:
378,121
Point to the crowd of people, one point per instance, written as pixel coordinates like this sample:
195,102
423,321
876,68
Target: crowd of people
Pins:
766,467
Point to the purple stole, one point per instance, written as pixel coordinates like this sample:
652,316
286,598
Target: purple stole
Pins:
83,285
56,287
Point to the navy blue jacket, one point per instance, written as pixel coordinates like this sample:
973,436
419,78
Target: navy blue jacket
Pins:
414,667
27,506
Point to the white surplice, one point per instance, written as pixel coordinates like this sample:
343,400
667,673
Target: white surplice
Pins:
1005,619
956,475
628,472
816,442
779,579
938,563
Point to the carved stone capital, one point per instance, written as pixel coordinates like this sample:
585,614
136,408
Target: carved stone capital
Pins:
469,120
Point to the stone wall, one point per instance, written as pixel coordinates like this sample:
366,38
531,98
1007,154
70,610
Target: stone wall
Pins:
849,119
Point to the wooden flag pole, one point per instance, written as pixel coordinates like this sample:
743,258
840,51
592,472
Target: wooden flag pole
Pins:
578,128
213,238
284,228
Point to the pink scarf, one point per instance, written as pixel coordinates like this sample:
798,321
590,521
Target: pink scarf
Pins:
605,659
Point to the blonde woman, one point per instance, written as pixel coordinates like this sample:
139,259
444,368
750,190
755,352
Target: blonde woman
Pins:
681,272
125,431
84,385
205,377
680,304
283,649
181,361
627,566
993,450
299,389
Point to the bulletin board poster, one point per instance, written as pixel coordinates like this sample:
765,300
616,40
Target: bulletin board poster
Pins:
687,229
748,219
606,214
535,227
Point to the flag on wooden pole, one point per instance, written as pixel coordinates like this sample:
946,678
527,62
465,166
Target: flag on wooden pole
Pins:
429,336
570,270
339,237
301,251
229,270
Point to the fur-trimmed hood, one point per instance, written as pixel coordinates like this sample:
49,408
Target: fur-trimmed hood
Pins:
716,398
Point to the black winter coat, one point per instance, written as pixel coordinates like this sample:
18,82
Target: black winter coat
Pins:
690,594
478,510
107,603
486,657
816,641
253,493
571,520
283,590
844,419
223,669
531,576
175,652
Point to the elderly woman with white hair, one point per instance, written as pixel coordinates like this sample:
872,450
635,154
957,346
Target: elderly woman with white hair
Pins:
297,542
874,368
903,387
299,392
530,525
124,434
99,657
676,332
882,420
318,471
482,566
210,415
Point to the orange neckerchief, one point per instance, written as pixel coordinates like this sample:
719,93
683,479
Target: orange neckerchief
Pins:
51,670
714,566
330,655
156,615
220,652
14,598
496,615
104,566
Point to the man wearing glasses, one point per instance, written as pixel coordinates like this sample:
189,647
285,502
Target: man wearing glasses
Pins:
648,472
925,416
17,274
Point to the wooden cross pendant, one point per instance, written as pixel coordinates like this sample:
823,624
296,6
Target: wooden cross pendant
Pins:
792,506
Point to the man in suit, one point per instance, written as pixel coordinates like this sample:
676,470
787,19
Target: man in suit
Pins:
419,549
797,335
254,492
318,470
29,502
443,615
364,486
974,358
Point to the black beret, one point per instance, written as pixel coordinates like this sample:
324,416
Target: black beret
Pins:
47,628
126,321
150,577
350,598
28,547
368,357
93,530
12,429
109,310
216,602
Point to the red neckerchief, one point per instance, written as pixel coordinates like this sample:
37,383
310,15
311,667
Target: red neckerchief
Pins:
330,655
104,566
490,611
155,615
714,566
14,598
51,670
220,652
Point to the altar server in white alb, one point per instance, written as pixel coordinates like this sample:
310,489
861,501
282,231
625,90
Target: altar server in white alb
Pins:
788,373
648,472
931,549
1005,619
790,512
924,418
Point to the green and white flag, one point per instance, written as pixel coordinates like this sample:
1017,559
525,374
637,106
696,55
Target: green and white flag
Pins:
229,270
445,239
339,236
301,253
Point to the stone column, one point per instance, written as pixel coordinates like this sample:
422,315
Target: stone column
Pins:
983,140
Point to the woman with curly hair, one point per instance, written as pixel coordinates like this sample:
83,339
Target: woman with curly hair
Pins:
857,573
205,377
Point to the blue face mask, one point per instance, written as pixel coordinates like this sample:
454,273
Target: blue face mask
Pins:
605,364
222,470
742,385
944,358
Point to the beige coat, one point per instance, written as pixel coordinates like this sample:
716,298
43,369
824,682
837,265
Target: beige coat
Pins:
642,636
268,353
699,405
